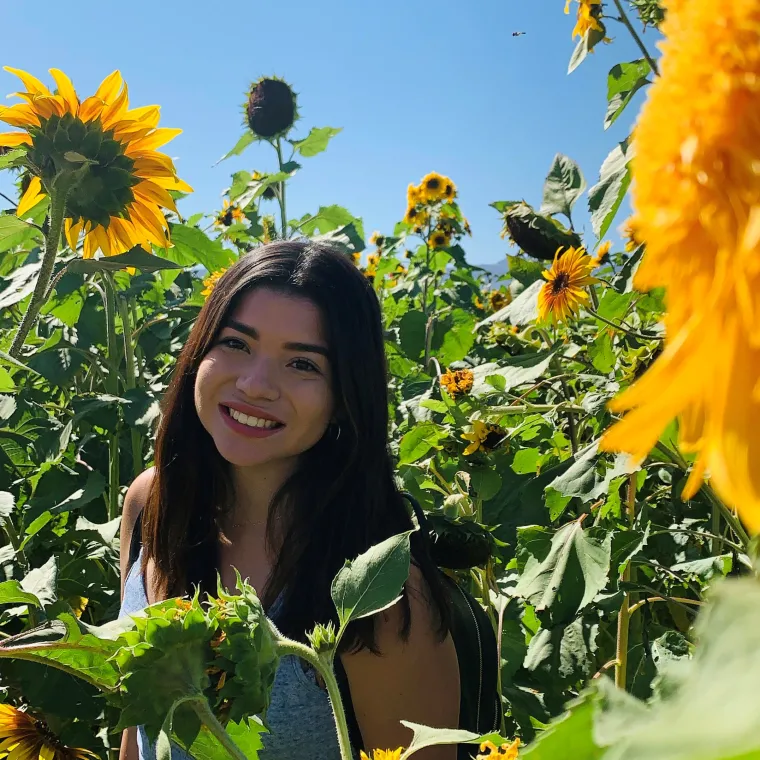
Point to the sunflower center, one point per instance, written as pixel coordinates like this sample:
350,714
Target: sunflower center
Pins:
433,184
105,190
561,282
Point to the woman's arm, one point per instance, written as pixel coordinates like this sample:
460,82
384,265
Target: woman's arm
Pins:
134,501
415,680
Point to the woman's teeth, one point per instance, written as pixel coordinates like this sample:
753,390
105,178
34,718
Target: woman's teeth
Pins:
251,421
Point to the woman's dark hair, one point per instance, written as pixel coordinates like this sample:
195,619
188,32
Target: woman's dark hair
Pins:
341,500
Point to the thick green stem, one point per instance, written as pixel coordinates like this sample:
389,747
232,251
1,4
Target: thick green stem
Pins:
281,194
627,23
131,381
109,294
203,711
52,239
287,646
624,616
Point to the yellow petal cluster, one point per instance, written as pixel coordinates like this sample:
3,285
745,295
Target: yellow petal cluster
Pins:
602,253
382,754
22,737
141,221
697,207
457,382
507,751
210,282
229,215
564,291
587,17
484,437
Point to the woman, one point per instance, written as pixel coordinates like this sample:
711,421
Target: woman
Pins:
272,457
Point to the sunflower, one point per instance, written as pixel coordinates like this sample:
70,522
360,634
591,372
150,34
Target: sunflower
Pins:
211,280
229,214
119,182
439,238
356,257
505,752
435,187
382,754
696,204
630,235
497,300
602,254
457,382
588,17
417,217
564,293
484,437
377,239
23,737
413,195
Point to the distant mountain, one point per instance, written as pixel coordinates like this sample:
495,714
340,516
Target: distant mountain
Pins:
499,268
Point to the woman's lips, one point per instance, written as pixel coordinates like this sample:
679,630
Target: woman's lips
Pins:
247,430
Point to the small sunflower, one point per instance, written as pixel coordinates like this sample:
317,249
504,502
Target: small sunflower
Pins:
629,233
382,754
602,254
457,382
408,254
377,239
122,181
439,238
416,217
498,299
505,752
435,187
211,280
564,293
413,195
466,226
484,437
229,214
23,737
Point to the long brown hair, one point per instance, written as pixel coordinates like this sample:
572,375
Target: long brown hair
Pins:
342,498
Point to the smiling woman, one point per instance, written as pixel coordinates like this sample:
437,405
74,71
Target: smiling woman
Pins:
272,458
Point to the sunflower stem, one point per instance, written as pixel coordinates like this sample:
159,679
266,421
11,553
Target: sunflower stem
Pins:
622,328
131,381
205,714
109,295
281,194
323,666
627,23
52,239
621,650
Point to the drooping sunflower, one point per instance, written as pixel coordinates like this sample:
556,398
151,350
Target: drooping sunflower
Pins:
271,108
588,16
696,206
484,437
229,214
436,187
122,182
564,291
23,737
506,751
210,281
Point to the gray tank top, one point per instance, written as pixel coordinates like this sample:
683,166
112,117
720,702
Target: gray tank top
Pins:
299,717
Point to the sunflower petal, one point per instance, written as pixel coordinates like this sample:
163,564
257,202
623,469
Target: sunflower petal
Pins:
32,84
20,115
66,90
73,230
33,195
14,139
109,87
156,139
153,193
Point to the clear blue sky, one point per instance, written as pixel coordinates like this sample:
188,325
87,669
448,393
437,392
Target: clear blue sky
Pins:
417,87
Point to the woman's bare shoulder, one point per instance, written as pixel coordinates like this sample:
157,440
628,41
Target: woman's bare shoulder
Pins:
134,503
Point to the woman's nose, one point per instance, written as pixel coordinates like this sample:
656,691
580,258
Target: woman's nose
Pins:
259,380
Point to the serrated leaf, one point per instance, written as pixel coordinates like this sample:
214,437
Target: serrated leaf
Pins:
373,581
623,82
563,186
605,198
316,141
12,158
192,246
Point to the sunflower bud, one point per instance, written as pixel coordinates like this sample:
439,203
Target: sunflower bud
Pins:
322,638
537,235
271,108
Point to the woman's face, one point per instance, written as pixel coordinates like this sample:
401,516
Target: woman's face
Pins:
264,390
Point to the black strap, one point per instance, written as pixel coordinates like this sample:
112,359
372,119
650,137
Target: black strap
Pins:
135,542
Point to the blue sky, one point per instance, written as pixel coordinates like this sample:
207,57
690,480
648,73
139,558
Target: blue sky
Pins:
416,87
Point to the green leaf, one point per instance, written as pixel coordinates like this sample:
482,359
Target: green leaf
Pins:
246,734
42,581
94,487
349,238
7,504
585,45
11,225
7,407
6,358
556,503
623,281
601,353
522,311
58,365
526,461
142,409
486,482
563,186
605,198
454,336
614,305
426,736
525,271
516,371
373,581
326,219
136,257
12,158
316,141
192,246
245,140
411,331
623,82
11,592
416,443
564,571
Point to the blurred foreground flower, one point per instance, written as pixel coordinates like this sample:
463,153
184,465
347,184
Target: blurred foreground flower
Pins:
382,754
209,282
99,157
22,737
505,752
697,207
564,292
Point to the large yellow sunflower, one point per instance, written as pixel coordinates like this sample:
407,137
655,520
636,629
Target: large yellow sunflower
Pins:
123,181
564,292
22,737
696,206
436,187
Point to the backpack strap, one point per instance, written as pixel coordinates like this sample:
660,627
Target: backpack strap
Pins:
135,542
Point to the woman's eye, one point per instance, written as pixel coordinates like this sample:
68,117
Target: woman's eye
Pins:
304,365
234,343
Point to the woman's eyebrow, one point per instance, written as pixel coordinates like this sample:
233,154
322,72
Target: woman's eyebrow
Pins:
252,332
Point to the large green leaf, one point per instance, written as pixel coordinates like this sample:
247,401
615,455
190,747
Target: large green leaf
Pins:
192,246
606,196
418,441
136,257
58,365
563,571
326,219
563,186
586,45
454,336
522,311
515,372
10,225
623,82
19,285
42,581
11,592
373,581
94,487
246,734
426,736
411,331
316,141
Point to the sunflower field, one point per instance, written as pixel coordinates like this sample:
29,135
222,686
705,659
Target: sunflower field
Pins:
581,432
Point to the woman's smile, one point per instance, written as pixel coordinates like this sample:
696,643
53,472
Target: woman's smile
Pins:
249,424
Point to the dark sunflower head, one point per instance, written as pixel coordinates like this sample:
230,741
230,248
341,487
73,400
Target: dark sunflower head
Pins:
271,108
